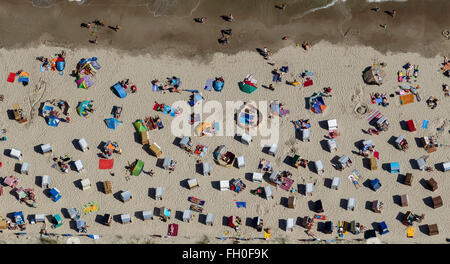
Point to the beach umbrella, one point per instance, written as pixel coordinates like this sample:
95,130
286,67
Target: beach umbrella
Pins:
112,123
247,87
81,108
90,207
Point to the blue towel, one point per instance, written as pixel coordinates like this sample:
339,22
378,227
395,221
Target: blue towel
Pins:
425,124
209,84
241,204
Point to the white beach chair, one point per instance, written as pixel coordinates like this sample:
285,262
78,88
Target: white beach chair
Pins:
241,162
46,148
147,215
290,224
257,177
45,181
25,168
210,219
159,193
246,139
351,204
268,192
125,218
187,216
15,153
273,149
224,185
336,182
83,144
79,166
85,184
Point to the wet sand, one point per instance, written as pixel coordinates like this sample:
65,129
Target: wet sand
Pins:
151,26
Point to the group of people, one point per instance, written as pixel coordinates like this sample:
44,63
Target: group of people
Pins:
375,99
100,23
432,102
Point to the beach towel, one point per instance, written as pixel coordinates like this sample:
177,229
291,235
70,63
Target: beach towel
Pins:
105,164
406,99
308,82
155,88
11,77
241,204
167,109
209,84
425,124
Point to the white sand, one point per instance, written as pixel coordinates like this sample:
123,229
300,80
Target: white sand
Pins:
338,67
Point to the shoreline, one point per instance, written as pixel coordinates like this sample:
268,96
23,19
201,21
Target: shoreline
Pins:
349,24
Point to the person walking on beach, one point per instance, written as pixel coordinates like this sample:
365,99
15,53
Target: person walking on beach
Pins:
116,28
393,13
230,17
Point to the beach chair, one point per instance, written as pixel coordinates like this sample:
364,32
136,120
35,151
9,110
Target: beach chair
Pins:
156,150
309,189
257,177
166,163
147,215
273,149
373,163
187,216
335,183
446,166
145,137
192,183
209,219
295,161
184,142
25,167
432,184
164,213
73,213
159,193
291,202
224,185
332,128
401,143
382,228
107,187
39,218
45,181
376,206
404,200
57,220
343,162
125,218
15,153
55,195
433,230
408,179
82,143
318,207
85,184
306,134
375,184
241,162
46,148
332,145
206,168
437,202
410,232
421,164
351,203
11,181
319,167
79,166
411,126
394,167
246,139
268,192
290,224
125,196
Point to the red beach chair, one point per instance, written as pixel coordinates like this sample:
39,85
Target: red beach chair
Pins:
411,126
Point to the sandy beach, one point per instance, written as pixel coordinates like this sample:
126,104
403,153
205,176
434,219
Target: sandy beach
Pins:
337,66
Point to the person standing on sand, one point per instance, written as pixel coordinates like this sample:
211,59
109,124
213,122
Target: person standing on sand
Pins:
394,12
230,17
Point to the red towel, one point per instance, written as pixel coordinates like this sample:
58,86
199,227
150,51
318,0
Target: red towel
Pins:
376,154
105,164
11,77
308,82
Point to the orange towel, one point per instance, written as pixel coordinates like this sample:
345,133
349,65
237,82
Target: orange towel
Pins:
407,99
